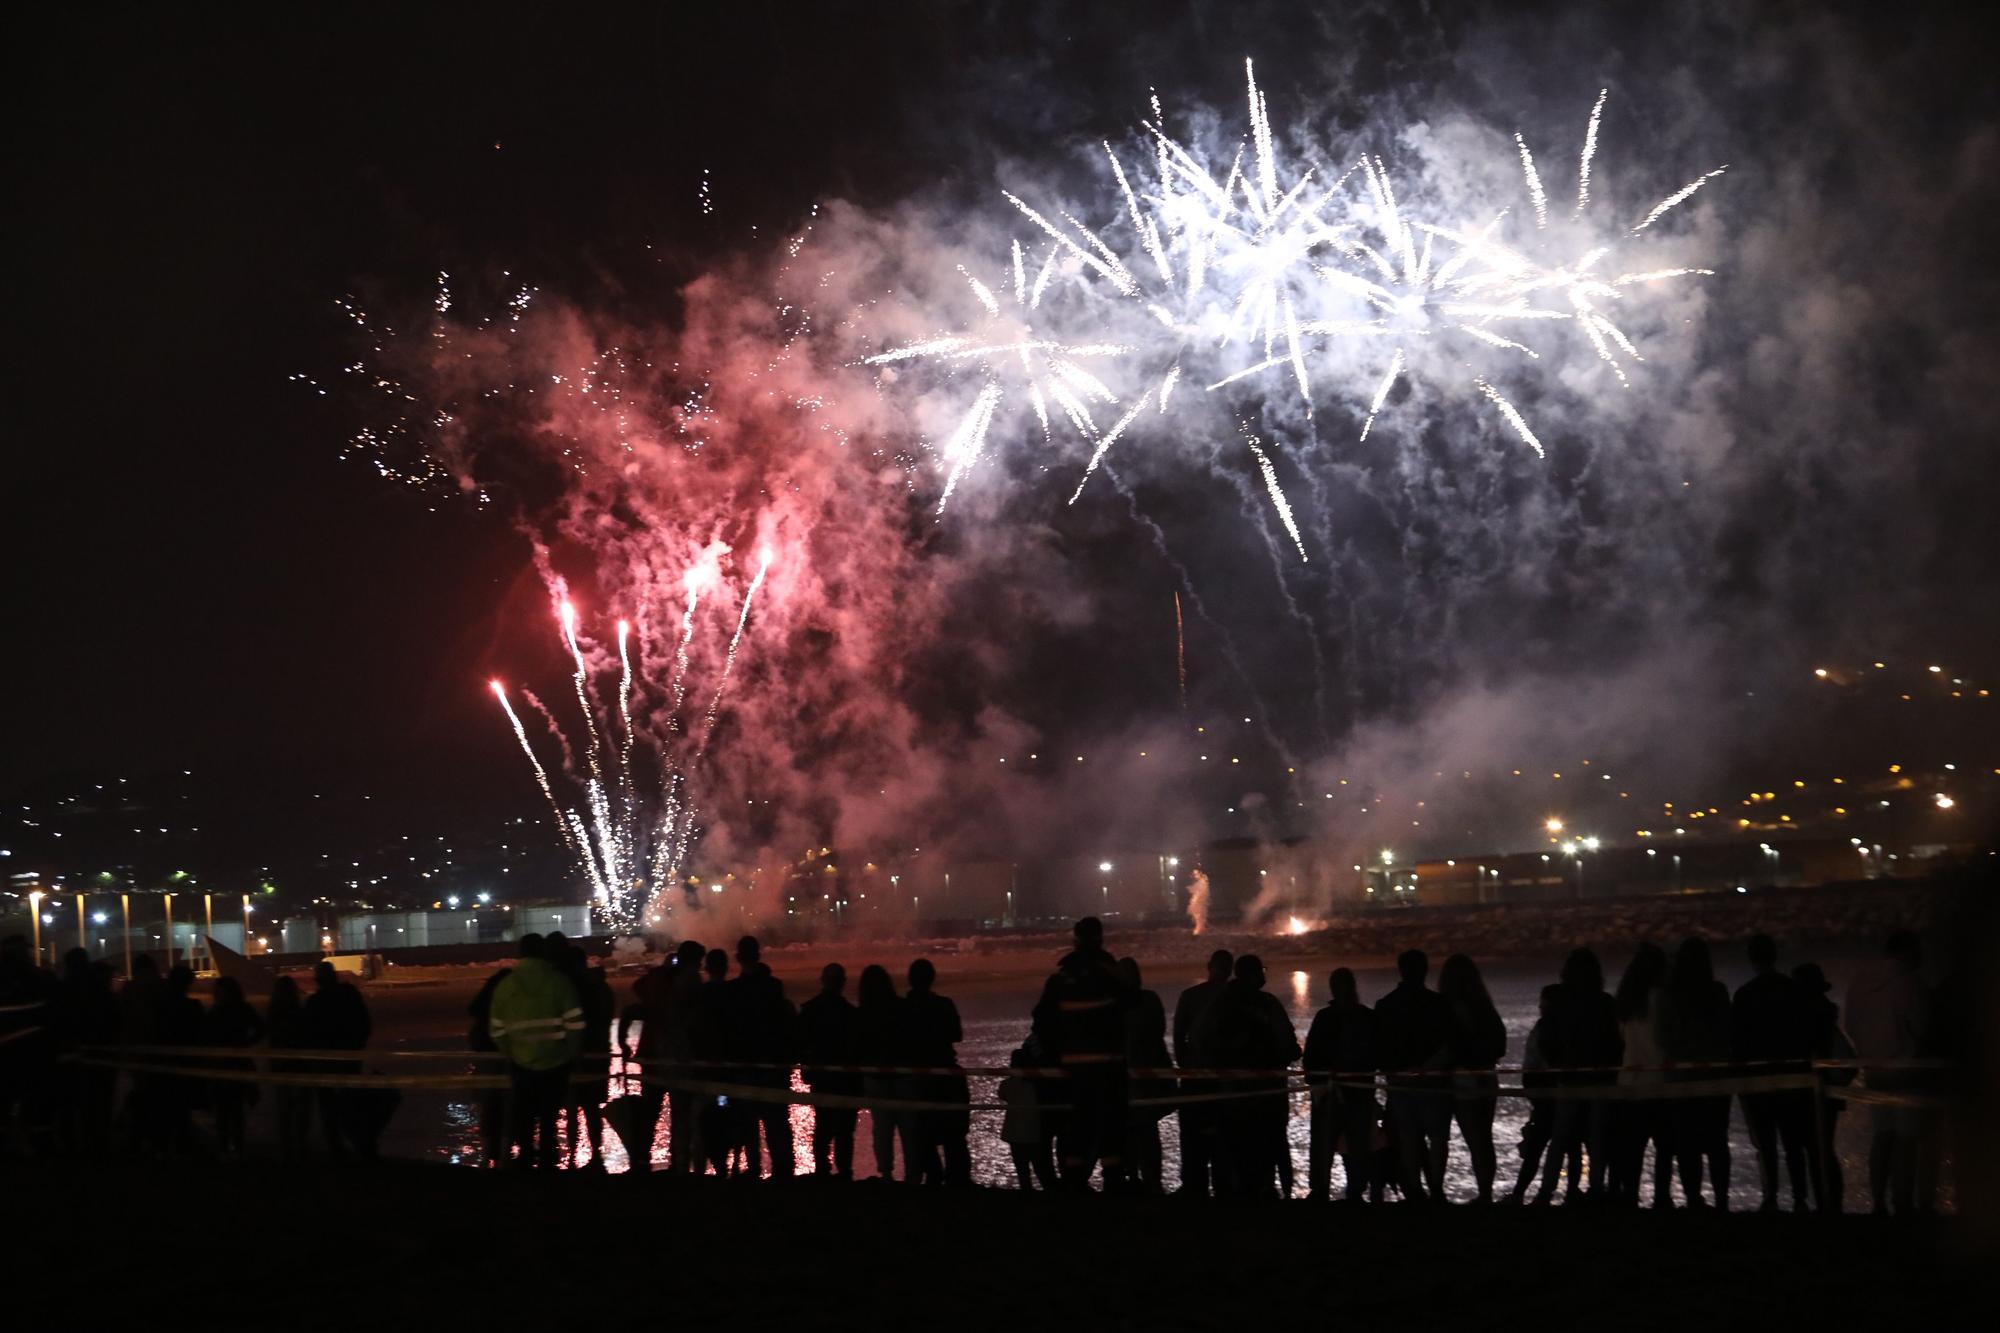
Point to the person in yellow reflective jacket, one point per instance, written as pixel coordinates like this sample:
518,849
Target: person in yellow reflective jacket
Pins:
537,1023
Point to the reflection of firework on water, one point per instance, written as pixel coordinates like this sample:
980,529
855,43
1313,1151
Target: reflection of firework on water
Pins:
1261,257
631,832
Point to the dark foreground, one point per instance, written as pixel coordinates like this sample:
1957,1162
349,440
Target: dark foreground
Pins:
416,1246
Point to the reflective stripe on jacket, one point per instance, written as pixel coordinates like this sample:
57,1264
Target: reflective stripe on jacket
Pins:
537,1020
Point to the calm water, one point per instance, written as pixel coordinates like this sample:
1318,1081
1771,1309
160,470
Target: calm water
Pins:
995,1021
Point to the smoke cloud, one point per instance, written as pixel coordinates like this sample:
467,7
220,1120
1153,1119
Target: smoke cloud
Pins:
1790,474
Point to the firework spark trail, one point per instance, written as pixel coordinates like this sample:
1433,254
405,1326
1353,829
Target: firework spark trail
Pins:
555,728
1105,442
729,659
1180,648
1278,500
1535,195
1589,151
963,449
1382,394
521,734
582,678
681,660
1508,411
1677,198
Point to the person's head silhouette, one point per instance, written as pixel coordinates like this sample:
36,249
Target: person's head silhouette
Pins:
1250,971
1413,965
832,979
1089,934
1762,951
1219,965
533,946
1342,987
748,951
325,977
716,964
922,974
1583,971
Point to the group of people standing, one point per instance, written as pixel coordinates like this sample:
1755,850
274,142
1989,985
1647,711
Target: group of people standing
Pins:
58,1079
1608,1074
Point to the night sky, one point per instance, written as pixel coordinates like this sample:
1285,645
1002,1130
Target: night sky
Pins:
202,582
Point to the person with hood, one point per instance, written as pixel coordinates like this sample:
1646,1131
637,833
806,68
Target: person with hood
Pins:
1889,1016
1247,1029
1829,1043
1340,1050
1200,1122
537,1024
1080,1021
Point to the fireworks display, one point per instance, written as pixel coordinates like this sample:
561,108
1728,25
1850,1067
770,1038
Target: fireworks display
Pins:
1205,282
631,832
1255,269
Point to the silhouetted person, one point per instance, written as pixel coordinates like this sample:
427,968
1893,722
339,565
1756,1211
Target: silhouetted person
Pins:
1475,1039
493,1126
537,1023
1694,1031
829,1044
1540,1126
764,1038
878,1030
1770,1030
1080,1022
1637,1121
1410,1022
231,1022
1024,1129
139,1004
336,1020
285,1027
669,1000
593,994
30,1023
180,1027
1582,1045
1340,1049
720,1131
1245,1028
1145,1048
1890,1017
89,1017
931,1035
1829,1042
1200,1122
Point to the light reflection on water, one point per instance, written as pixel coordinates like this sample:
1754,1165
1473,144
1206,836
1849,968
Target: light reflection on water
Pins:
995,1019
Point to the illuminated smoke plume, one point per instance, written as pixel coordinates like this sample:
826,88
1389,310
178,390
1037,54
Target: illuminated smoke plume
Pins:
1197,902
